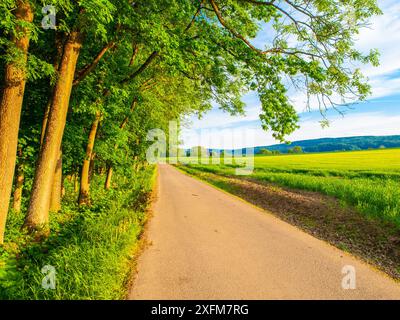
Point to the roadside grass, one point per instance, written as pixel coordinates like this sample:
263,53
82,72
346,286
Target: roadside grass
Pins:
92,249
367,180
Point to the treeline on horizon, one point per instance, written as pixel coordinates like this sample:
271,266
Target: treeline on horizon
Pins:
308,146
78,100
337,144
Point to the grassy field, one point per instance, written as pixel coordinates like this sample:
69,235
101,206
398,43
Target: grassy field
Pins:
367,180
369,160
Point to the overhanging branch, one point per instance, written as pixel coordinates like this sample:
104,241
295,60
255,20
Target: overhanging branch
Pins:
91,66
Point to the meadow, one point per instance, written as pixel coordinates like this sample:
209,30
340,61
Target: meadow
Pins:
366,180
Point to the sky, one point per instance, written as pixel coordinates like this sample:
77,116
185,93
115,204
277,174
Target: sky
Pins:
378,115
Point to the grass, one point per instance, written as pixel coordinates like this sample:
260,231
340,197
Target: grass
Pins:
92,249
367,180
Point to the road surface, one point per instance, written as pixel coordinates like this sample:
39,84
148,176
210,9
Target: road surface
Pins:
206,244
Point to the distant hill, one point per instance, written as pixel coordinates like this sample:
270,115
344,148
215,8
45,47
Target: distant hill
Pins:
337,144
325,145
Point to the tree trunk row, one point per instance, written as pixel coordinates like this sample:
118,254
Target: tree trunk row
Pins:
49,154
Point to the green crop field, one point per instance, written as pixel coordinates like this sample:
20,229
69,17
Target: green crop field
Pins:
385,160
367,180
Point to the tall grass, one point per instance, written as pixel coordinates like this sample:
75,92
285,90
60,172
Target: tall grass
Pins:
378,198
91,248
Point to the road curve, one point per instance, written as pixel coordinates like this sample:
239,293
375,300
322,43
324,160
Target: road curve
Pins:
206,244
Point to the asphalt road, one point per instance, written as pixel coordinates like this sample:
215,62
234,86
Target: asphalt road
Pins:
206,244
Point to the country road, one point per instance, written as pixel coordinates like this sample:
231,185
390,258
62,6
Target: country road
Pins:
206,244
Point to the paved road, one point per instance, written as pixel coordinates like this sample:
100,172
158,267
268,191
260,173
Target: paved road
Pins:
206,244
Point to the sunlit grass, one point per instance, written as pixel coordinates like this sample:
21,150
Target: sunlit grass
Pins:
90,248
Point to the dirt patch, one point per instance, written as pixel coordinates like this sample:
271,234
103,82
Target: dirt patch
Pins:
375,241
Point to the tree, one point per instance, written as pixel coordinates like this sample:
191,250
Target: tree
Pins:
87,18
296,149
265,152
11,103
40,197
84,189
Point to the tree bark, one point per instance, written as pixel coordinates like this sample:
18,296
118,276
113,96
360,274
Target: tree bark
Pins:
84,192
107,185
91,166
55,198
44,122
19,183
10,113
76,184
56,64
48,156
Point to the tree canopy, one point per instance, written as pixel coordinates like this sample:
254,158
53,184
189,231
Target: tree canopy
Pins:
111,70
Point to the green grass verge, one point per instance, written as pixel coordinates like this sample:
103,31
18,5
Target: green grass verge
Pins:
92,249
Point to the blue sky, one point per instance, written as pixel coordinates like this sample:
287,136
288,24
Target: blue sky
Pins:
379,115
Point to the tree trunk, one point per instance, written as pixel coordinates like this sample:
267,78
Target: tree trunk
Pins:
48,156
19,183
63,188
76,184
107,185
56,65
55,198
84,197
102,170
10,113
44,122
91,167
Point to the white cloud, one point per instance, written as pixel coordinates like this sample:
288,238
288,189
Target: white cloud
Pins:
218,118
383,86
373,123
383,34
